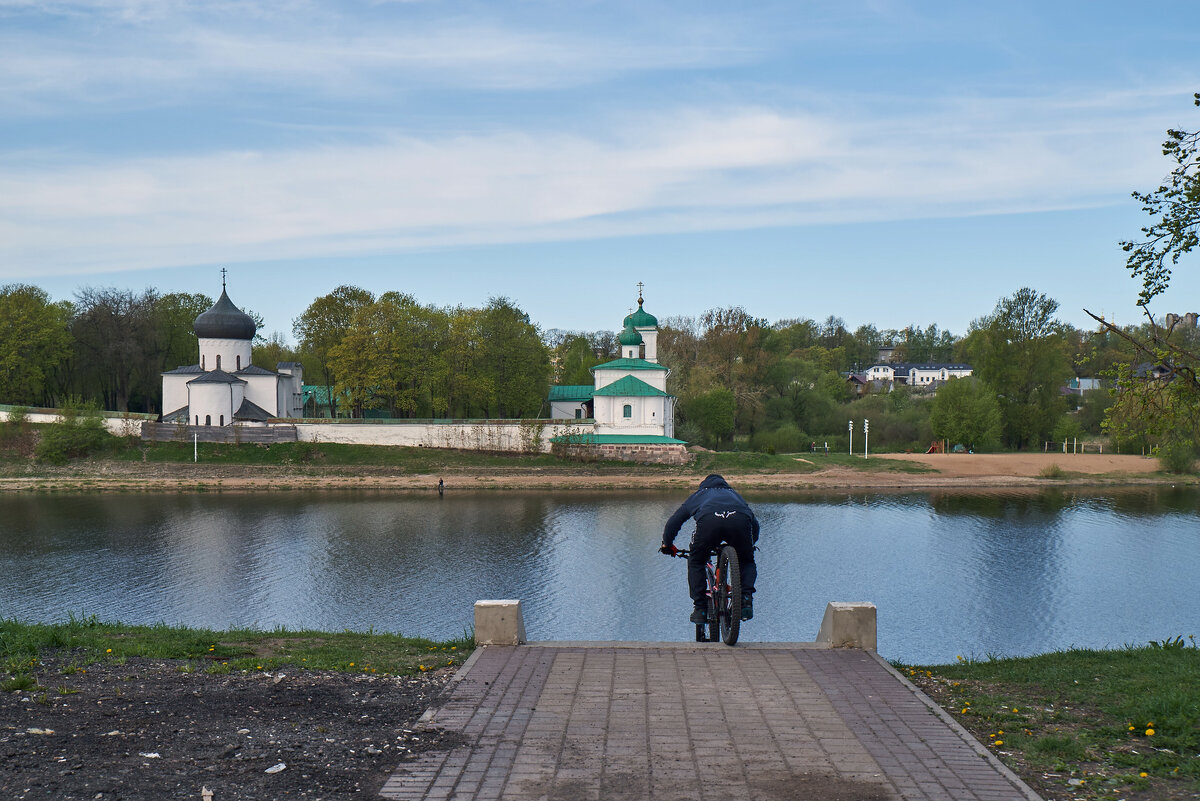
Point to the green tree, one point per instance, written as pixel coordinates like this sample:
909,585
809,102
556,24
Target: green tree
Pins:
515,360
1163,410
965,410
323,324
1020,352
712,413
576,358
117,347
34,341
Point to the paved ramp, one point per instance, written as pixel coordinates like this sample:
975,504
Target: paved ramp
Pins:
676,722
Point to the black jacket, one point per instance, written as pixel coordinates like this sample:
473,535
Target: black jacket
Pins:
714,495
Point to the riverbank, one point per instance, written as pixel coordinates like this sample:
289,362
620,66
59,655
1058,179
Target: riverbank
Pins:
92,710
228,471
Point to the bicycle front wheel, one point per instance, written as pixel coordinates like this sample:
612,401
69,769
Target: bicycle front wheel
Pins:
730,610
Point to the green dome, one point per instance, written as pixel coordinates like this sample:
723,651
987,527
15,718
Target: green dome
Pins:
629,337
641,318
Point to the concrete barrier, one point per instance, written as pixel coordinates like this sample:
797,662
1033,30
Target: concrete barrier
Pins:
499,623
848,625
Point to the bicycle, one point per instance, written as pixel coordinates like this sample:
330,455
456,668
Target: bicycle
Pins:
724,592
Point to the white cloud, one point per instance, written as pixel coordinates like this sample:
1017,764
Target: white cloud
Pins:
693,169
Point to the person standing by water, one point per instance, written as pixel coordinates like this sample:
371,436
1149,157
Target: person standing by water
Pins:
721,515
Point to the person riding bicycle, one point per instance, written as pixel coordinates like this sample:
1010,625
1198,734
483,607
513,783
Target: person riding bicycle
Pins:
721,516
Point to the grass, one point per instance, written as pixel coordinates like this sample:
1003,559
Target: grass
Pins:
1120,721
86,640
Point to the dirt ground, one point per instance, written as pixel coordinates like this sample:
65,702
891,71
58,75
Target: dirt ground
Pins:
145,731
944,471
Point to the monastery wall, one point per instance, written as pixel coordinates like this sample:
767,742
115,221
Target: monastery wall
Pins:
514,436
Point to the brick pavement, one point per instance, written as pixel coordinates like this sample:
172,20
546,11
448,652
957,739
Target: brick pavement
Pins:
765,723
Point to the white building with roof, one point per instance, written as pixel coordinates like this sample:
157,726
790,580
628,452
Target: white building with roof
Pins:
224,388
628,399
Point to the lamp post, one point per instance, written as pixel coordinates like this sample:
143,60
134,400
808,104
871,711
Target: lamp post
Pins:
850,428
866,438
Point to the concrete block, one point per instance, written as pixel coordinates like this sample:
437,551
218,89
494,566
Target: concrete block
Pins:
499,623
848,625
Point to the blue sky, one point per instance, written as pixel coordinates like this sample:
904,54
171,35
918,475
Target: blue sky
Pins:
883,161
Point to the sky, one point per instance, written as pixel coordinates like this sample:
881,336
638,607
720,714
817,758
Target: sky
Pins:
883,161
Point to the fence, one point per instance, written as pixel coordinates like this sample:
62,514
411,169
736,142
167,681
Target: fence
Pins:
1079,446
231,435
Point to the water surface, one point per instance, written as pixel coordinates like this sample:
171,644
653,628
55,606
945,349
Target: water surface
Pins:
970,574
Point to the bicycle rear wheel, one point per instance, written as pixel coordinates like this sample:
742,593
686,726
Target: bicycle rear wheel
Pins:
730,610
714,604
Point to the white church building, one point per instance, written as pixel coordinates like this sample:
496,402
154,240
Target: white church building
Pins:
224,388
628,399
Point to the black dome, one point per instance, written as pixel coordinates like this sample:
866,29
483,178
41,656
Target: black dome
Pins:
225,321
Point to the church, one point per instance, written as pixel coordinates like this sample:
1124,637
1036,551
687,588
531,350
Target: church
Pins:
224,388
628,399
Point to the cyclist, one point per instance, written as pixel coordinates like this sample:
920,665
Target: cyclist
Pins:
721,516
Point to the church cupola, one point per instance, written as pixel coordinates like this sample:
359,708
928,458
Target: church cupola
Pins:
631,342
225,333
644,323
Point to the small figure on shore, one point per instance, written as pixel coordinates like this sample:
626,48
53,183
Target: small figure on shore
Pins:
441,488
721,516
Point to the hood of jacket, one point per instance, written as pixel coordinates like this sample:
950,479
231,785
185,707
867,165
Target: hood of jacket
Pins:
715,481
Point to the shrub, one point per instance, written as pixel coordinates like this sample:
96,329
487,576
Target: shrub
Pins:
80,432
1178,456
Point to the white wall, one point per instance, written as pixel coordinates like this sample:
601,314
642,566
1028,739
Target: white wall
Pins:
228,349
490,435
175,391
119,426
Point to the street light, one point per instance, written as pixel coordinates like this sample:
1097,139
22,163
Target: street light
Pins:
866,438
850,428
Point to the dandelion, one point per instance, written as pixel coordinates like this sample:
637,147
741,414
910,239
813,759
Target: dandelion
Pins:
423,668
1143,774
351,664
998,742
1149,732
999,733
453,647
1131,728
959,657
964,710
1014,710
108,651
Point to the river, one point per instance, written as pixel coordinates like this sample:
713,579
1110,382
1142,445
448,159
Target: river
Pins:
971,574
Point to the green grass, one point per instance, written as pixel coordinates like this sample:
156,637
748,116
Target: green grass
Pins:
1102,716
82,641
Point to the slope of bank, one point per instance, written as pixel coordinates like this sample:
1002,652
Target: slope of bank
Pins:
414,469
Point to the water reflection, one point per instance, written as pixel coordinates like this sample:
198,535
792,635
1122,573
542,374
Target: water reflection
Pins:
979,573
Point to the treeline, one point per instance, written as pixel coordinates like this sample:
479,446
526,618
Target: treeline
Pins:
741,381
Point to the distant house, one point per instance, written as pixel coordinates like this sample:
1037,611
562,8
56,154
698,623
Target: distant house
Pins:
571,401
1153,372
1078,386
927,375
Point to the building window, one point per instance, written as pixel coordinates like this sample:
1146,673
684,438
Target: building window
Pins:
197,419
202,367
628,411
239,361
222,420
218,361
208,419
579,414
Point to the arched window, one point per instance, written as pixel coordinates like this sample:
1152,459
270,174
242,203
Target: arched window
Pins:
218,361
239,361
202,367
222,420
628,411
208,419
197,419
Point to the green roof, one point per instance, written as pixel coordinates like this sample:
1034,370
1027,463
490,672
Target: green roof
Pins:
641,318
618,439
571,392
629,336
630,386
628,364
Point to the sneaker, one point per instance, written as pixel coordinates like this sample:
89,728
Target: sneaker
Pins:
699,616
747,607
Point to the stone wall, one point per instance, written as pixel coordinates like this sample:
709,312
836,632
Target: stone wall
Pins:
510,436
645,454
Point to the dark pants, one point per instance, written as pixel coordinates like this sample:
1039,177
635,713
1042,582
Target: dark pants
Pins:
711,531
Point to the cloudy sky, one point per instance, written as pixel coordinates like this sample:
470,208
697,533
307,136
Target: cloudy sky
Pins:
884,161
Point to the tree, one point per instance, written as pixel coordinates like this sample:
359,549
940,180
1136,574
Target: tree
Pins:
323,324
1176,205
713,413
1020,353
116,347
966,410
34,341
514,358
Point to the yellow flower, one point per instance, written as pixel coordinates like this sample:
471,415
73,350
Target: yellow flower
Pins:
351,664
1149,732
1000,732
1131,728
1014,709
964,710
998,742
108,651
1143,774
